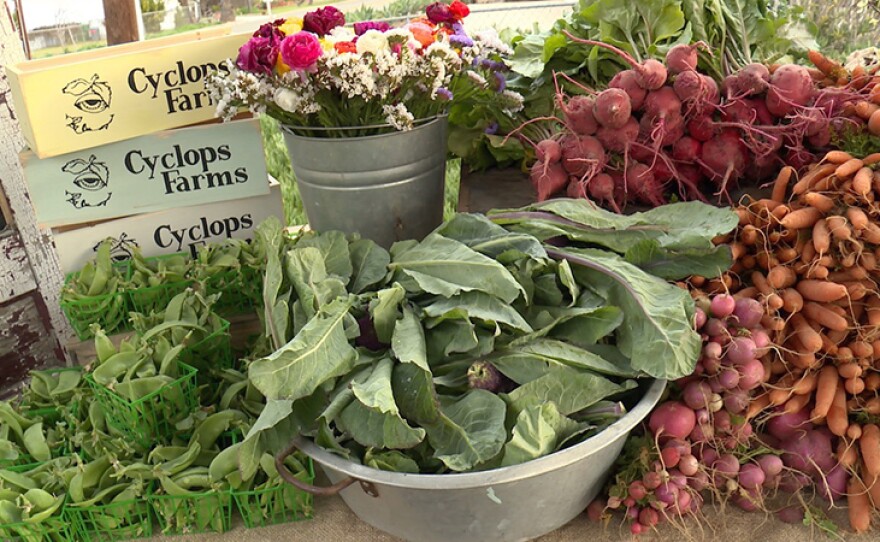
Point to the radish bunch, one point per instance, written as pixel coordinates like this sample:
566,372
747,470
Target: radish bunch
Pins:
664,130
703,439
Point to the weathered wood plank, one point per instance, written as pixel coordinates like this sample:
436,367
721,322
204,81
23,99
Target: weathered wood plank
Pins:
38,244
23,344
16,277
494,189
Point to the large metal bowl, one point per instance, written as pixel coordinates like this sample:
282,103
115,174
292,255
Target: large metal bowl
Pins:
507,504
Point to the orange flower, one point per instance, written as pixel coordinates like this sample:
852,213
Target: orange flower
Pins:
280,67
423,33
345,47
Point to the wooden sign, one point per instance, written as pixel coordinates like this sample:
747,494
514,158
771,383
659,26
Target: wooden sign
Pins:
176,168
178,230
96,98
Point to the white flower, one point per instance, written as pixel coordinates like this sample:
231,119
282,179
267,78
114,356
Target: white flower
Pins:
372,41
398,116
489,39
340,33
286,99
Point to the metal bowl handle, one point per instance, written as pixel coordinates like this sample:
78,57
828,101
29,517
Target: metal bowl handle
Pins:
299,484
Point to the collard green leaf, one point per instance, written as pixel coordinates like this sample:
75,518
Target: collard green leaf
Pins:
464,432
528,56
385,311
479,305
375,391
275,303
675,264
571,389
391,460
315,355
334,249
408,340
486,237
369,263
453,336
657,333
578,326
573,356
538,431
447,267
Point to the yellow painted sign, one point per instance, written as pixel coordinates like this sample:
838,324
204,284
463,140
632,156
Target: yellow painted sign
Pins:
94,98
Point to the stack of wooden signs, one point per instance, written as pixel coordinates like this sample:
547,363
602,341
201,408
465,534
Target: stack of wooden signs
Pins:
124,144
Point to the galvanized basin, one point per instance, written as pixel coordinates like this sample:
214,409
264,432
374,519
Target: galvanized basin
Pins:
507,504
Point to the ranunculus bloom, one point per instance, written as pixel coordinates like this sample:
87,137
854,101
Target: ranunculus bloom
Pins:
459,10
423,33
291,26
438,12
301,50
269,30
372,41
360,28
258,55
345,47
323,20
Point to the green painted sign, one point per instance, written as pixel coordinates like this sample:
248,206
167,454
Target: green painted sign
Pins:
166,170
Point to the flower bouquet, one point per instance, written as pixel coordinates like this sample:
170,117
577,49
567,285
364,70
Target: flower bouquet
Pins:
321,78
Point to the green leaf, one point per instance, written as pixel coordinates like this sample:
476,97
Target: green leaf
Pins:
572,390
333,248
453,336
528,56
486,237
408,340
316,354
369,263
657,332
277,312
573,356
676,264
576,325
479,305
446,267
391,460
464,432
538,431
385,311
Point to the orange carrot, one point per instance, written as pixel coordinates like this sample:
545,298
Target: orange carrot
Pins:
874,491
747,293
862,180
821,236
820,172
837,416
874,123
871,159
854,431
869,446
781,277
856,272
749,234
859,504
773,302
865,109
796,403
854,386
844,354
826,385
792,301
825,65
786,254
819,201
781,184
861,349
757,405
809,338
858,290
828,345
847,455
801,218
837,157
838,227
825,316
818,290
849,369
872,381
848,168
868,261
872,406
760,282
809,251
871,233
805,384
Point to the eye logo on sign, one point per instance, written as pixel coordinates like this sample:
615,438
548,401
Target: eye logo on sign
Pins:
91,99
121,249
91,177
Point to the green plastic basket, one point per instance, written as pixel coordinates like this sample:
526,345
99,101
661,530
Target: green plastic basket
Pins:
153,416
240,290
108,311
195,513
53,529
148,299
212,352
281,503
114,521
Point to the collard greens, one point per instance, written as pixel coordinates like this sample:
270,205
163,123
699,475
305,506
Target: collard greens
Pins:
373,348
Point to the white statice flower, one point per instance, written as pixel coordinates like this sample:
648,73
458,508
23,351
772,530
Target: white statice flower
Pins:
340,33
511,102
398,116
488,39
372,41
477,79
403,36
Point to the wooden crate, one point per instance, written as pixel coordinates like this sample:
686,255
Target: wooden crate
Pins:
97,97
166,232
170,169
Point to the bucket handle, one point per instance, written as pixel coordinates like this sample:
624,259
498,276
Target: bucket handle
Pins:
305,486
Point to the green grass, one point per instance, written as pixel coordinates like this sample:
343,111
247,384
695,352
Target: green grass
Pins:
181,29
65,49
278,164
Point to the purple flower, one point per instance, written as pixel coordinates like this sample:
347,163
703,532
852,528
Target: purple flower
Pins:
500,82
381,26
492,129
460,40
270,30
323,20
301,50
258,55
438,13
445,94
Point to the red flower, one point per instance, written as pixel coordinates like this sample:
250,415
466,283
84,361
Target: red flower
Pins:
459,10
345,47
323,20
438,13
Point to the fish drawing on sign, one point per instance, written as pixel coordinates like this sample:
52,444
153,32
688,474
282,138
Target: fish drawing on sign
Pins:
92,178
92,99
122,247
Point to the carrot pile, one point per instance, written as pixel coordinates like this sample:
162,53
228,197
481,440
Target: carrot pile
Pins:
830,73
809,253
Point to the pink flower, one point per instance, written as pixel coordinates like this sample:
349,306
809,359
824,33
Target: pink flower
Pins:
323,20
301,50
258,55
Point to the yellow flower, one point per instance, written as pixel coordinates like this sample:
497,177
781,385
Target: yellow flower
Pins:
326,44
280,67
291,26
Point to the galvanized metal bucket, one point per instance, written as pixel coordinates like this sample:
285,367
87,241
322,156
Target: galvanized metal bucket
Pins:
507,504
386,187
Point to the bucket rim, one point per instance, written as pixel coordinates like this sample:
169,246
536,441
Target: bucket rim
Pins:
420,124
502,475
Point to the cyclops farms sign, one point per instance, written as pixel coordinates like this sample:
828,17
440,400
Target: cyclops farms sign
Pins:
94,99
177,168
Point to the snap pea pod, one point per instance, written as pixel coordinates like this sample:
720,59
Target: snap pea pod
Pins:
153,272
97,277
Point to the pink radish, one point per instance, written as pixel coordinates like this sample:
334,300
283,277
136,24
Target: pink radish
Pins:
651,74
548,150
627,80
579,115
791,87
612,108
619,140
641,183
683,57
686,149
724,159
601,188
582,156
548,179
701,128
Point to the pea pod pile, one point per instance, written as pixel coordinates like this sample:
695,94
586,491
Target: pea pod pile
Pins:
24,439
95,294
51,388
157,271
